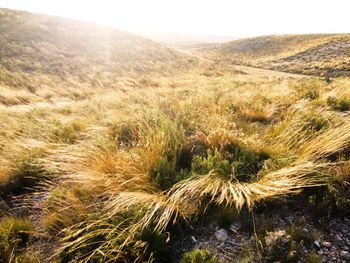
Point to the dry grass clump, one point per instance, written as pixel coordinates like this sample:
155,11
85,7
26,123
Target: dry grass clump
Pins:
23,171
225,192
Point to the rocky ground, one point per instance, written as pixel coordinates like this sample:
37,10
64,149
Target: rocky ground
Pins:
30,205
293,236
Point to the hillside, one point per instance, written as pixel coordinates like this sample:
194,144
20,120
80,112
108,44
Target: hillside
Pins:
318,55
37,51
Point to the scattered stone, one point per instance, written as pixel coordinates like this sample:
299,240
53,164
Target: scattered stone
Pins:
317,244
221,235
198,245
235,227
326,244
320,253
345,255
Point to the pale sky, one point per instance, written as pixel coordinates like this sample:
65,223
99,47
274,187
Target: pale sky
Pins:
236,18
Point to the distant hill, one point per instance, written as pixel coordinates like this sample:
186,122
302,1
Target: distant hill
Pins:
319,54
38,50
175,39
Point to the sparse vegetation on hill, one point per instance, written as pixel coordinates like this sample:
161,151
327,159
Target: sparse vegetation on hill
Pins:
43,57
205,165
319,55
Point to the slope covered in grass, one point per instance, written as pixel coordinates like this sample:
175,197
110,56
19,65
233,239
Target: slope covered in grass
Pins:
43,56
307,54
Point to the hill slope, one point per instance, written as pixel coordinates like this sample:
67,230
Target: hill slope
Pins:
38,50
308,54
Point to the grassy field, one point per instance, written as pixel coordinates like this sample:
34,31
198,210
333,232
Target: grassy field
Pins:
115,153
317,55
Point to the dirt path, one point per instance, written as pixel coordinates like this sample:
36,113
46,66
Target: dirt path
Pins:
267,73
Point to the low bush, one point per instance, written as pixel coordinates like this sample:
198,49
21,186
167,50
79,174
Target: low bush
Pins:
213,161
69,132
309,89
338,104
198,256
15,233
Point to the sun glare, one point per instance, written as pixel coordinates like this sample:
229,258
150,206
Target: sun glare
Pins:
223,17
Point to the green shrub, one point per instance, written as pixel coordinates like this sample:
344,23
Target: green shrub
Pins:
278,246
309,89
213,161
240,163
69,132
198,256
195,146
156,245
165,173
126,135
300,236
233,108
14,234
338,104
171,166
333,198
315,123
313,258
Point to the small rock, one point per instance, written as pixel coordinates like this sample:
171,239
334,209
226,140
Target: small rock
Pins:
333,248
305,230
317,244
235,226
320,252
221,235
198,245
345,254
338,237
346,248
194,239
222,245
326,244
